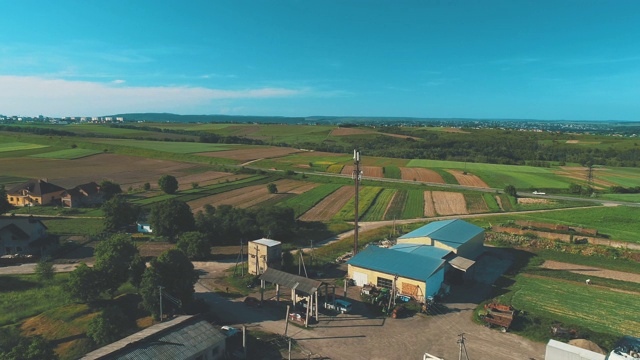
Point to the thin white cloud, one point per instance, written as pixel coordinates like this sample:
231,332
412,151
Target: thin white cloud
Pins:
20,95
119,81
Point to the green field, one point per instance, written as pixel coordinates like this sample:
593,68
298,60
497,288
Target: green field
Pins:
379,206
305,201
16,146
397,205
414,205
392,172
367,196
618,223
598,309
67,154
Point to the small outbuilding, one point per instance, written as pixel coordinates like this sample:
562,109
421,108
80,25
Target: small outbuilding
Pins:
182,338
263,253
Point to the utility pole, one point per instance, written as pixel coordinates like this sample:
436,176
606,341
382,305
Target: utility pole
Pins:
160,288
357,176
462,346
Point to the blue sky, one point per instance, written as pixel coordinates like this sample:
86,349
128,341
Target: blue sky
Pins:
560,59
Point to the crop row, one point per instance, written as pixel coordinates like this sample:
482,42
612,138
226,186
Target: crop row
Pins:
377,210
367,196
305,201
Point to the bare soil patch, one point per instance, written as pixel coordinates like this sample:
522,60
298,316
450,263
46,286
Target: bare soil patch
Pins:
499,201
581,174
468,179
592,271
249,196
252,154
329,206
421,174
154,248
122,169
429,208
478,206
368,171
532,201
449,203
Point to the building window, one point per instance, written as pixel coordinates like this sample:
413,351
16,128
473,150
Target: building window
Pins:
385,283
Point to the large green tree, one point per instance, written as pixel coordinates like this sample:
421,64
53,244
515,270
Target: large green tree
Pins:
4,202
114,259
110,325
118,213
109,189
170,218
168,184
195,245
84,284
172,271
14,346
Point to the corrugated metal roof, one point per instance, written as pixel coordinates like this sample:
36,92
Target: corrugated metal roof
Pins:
299,283
267,242
175,339
396,262
422,250
450,232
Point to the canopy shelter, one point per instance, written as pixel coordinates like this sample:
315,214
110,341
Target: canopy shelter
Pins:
308,288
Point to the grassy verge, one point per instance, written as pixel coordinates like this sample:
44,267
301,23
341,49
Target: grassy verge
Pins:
29,296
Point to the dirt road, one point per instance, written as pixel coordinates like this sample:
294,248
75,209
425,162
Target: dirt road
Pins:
592,271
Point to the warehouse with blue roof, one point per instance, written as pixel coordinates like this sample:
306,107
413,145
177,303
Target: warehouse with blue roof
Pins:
418,263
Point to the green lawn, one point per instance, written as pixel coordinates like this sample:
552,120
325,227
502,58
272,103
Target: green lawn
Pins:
67,154
23,296
597,309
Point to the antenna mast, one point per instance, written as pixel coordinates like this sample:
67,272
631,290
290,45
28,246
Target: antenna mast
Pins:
357,176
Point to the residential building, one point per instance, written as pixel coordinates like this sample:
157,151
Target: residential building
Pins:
22,235
84,195
263,253
182,338
34,192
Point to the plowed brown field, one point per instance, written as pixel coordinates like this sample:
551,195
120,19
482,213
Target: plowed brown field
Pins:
330,206
429,208
122,169
468,180
449,203
421,174
249,196
252,154
369,171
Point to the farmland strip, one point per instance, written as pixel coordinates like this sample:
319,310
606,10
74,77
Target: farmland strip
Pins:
396,205
429,208
449,203
305,201
328,207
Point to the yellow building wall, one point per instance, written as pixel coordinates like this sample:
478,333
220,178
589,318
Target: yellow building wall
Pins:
372,277
265,254
417,240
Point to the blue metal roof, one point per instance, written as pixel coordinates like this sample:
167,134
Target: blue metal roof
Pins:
422,250
450,232
396,262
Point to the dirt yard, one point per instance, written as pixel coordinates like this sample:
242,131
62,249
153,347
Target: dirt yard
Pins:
532,201
329,206
468,179
368,171
421,174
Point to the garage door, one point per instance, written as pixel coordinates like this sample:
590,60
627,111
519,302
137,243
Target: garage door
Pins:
360,278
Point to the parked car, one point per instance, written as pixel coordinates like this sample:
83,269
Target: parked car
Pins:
341,306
